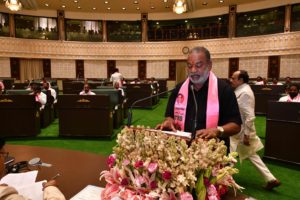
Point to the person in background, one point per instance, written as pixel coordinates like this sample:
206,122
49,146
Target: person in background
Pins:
2,87
287,82
259,81
86,90
117,87
275,82
117,77
39,95
247,136
217,109
50,91
51,191
293,94
45,81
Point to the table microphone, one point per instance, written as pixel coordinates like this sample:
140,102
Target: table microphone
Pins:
129,115
196,113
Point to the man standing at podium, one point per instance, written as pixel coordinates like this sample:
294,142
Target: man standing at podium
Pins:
247,143
203,105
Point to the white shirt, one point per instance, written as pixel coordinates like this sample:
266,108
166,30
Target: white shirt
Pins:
287,98
42,98
53,93
117,77
246,102
259,83
89,93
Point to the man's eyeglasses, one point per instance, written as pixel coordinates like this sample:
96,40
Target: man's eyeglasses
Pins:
4,154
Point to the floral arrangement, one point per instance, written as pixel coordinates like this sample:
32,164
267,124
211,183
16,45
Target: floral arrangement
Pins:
149,164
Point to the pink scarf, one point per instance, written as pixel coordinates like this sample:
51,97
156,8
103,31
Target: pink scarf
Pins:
212,109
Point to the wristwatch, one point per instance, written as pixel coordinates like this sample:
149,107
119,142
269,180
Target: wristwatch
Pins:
221,131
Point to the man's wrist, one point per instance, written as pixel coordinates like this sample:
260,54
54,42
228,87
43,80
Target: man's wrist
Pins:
220,131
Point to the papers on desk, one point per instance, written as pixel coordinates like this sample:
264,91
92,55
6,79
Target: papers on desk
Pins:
25,184
90,192
186,135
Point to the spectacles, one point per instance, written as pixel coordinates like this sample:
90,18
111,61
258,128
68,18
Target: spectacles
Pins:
5,154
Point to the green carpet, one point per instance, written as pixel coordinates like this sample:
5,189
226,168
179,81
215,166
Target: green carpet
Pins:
248,176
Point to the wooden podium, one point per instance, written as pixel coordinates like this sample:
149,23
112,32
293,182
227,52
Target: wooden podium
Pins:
282,132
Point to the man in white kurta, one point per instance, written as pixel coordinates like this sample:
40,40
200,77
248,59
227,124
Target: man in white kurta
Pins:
247,143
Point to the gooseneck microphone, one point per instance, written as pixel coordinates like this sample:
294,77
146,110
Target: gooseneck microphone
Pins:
196,113
129,115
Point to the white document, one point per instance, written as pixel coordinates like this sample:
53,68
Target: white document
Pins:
20,179
90,192
32,191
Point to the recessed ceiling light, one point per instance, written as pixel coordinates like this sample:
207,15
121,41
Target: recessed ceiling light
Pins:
137,8
135,2
94,8
220,18
106,2
204,3
123,8
46,4
165,1
79,7
221,1
186,21
157,22
63,6
152,7
167,7
75,1
108,8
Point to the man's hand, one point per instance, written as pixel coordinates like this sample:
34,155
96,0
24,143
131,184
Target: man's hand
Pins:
246,140
167,124
208,133
50,183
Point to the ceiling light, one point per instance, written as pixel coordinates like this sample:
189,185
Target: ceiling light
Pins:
165,1
186,21
137,8
13,5
106,2
46,4
179,6
108,8
152,7
94,8
136,2
63,6
221,1
157,23
123,8
167,7
75,1
204,3
79,7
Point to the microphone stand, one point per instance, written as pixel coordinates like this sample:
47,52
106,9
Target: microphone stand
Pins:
129,115
196,114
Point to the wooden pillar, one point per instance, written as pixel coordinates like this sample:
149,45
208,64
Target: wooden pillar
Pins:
287,19
15,68
142,69
274,67
79,68
47,68
172,70
61,24
233,66
111,65
144,17
104,30
232,21
12,30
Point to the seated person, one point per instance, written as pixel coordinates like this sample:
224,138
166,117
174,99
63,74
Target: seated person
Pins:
1,91
45,81
39,95
259,81
51,91
2,87
293,94
117,87
275,82
86,90
9,193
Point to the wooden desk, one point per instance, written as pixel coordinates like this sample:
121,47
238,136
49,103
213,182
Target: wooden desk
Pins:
282,132
77,169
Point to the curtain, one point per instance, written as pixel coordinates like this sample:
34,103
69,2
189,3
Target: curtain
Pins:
31,69
181,72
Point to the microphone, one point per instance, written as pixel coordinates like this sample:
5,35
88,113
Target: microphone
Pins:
196,113
129,115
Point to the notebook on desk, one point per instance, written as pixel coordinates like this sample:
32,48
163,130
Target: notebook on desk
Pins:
90,192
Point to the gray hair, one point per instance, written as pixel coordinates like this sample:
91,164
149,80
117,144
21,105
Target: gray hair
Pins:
201,49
